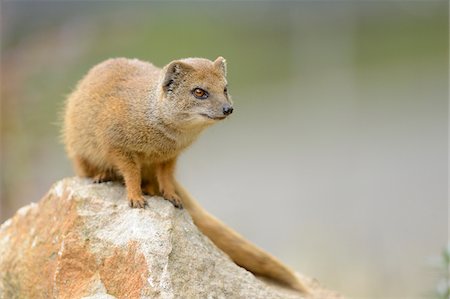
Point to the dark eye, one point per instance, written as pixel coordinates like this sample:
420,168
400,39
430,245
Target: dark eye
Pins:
200,93
225,90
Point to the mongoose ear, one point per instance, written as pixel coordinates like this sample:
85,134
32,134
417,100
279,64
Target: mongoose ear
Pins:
173,72
221,64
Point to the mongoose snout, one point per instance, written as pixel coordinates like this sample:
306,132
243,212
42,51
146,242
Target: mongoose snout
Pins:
227,109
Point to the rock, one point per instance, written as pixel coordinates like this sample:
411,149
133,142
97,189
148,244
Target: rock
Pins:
83,241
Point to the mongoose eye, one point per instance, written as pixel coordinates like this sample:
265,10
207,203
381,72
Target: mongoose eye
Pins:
200,93
225,90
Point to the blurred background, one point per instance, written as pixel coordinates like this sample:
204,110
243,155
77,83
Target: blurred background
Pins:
335,159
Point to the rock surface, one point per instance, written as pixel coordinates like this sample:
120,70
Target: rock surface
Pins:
83,241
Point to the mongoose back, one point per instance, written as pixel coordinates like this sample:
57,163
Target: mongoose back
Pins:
129,120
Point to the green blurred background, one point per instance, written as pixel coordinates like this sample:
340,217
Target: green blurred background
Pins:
335,159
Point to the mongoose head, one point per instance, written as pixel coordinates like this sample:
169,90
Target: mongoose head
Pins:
194,91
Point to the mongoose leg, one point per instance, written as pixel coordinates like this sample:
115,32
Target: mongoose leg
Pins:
149,183
82,167
130,168
86,169
164,175
150,188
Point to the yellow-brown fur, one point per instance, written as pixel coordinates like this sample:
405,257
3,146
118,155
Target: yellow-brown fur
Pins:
129,120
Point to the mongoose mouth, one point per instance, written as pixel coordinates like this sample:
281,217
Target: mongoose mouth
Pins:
212,117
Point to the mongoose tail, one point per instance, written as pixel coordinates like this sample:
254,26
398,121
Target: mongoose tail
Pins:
241,251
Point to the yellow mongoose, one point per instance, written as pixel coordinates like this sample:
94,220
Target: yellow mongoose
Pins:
129,120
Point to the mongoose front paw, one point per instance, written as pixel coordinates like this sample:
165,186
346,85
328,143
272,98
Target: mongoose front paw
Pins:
138,202
174,199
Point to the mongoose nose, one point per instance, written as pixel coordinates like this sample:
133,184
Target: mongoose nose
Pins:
227,109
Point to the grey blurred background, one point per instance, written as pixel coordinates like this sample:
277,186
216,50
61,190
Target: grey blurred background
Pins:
335,159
